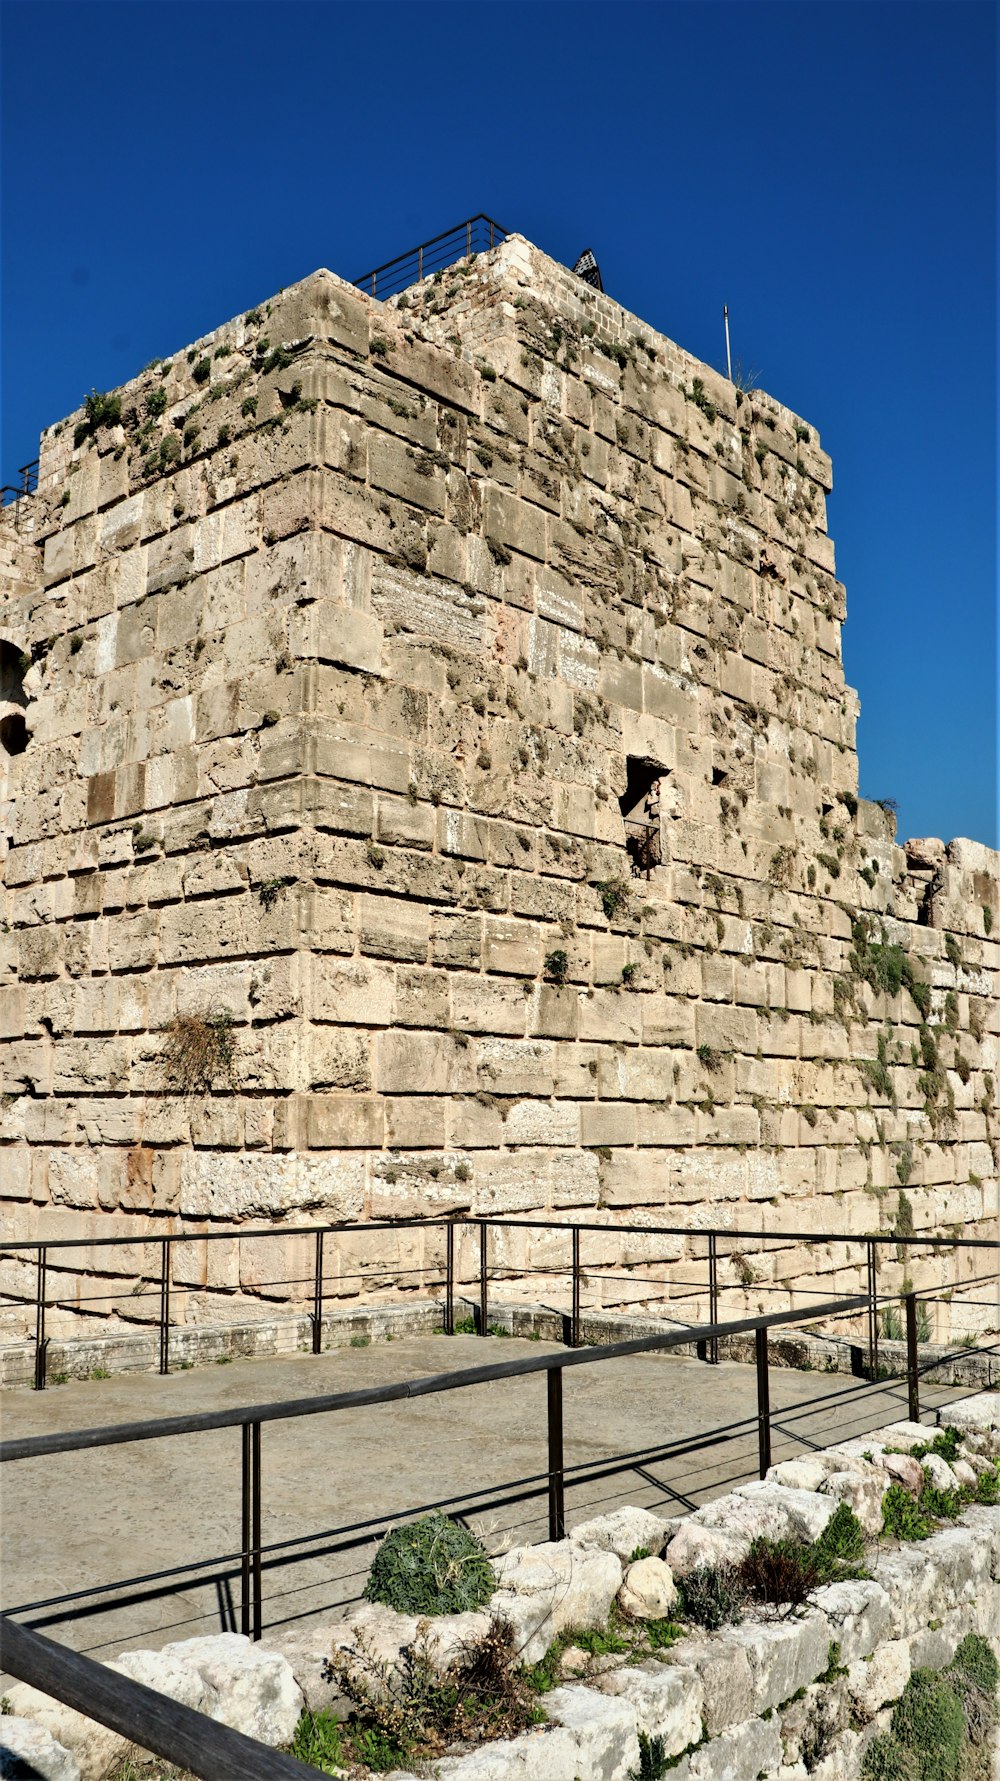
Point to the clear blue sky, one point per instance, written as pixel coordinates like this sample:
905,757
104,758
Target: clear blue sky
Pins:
829,170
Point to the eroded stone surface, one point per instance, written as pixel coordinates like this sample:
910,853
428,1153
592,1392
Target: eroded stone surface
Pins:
648,1591
28,1749
342,675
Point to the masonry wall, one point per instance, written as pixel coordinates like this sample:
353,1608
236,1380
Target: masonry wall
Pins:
333,649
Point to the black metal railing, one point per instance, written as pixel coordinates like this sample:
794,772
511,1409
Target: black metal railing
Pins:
476,235
250,1420
12,494
682,1296
145,1717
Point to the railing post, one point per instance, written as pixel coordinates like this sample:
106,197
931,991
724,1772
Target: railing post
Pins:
482,1278
317,1311
713,1297
41,1339
245,1521
255,1529
763,1403
449,1280
420,264
575,1326
912,1373
872,1310
165,1305
250,1570
557,1506
491,232
468,239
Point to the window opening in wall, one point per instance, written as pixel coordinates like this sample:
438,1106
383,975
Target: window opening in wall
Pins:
640,805
14,732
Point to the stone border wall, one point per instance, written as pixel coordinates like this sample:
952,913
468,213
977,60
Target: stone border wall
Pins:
192,1345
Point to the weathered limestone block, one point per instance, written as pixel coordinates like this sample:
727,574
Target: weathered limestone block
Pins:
875,1681
542,1589
804,1513
667,1701
784,1657
859,1614
75,1747
648,1591
862,1492
740,1753
622,1531
723,1666
27,1748
694,1545
254,1689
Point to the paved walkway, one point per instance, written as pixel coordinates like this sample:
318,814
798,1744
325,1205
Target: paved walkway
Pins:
74,1521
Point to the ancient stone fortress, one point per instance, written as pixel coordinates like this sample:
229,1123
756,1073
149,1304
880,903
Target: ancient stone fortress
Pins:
428,781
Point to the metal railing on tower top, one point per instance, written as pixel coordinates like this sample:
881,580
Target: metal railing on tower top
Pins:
476,235
12,494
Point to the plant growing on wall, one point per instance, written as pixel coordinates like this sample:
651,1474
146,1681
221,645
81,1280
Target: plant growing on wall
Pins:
556,965
431,1566
100,409
199,1052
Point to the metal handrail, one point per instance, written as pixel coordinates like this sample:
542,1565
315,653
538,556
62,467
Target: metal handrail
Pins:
348,1227
12,494
177,1733
450,1226
478,234
27,485
316,1285
249,1419
118,1434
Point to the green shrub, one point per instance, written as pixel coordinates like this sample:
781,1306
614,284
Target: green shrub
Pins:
202,371
902,1519
431,1566
779,1572
156,401
939,1505
988,1487
318,1741
615,897
557,965
945,1443
842,1539
100,409
711,1595
928,1719
886,1760
653,1760
975,1658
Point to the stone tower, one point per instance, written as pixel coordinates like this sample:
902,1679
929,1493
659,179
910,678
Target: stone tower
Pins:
428,782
